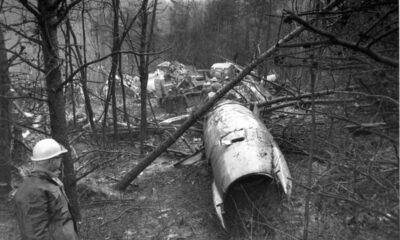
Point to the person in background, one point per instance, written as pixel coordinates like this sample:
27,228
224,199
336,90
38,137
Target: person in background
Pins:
42,207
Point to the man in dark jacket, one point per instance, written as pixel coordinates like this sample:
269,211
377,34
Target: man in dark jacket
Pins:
42,207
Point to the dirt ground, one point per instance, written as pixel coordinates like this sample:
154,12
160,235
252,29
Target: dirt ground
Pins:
165,202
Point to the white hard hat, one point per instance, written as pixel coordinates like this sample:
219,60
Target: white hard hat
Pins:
214,79
46,149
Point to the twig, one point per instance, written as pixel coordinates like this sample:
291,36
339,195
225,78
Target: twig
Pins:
76,137
276,229
296,97
123,212
354,202
241,219
96,167
393,140
304,44
71,77
188,145
265,218
302,151
184,159
108,201
170,150
184,141
370,95
317,102
22,143
351,45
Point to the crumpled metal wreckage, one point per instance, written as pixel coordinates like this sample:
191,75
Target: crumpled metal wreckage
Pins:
239,146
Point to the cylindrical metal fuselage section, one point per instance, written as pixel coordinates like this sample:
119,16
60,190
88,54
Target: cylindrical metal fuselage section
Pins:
238,144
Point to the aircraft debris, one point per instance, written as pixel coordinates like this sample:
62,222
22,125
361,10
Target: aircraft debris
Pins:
239,146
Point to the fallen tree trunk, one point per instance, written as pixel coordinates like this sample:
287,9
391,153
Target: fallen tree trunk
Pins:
133,173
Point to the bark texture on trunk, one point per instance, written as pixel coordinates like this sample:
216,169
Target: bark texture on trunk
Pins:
5,131
143,75
58,124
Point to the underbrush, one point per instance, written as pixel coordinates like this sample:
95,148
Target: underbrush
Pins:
355,180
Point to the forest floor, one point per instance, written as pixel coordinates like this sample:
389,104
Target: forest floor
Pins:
175,202
167,202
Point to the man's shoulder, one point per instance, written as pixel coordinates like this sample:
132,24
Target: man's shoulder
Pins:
28,189
34,184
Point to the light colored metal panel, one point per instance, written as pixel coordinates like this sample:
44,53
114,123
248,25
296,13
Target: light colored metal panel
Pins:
238,144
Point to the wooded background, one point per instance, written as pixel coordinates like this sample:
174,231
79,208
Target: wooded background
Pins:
56,57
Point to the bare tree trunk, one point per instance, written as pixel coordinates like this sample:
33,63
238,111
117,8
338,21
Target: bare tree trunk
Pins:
81,61
310,159
68,68
143,70
117,47
88,105
268,34
126,116
145,45
257,41
150,40
5,131
114,66
48,29
247,38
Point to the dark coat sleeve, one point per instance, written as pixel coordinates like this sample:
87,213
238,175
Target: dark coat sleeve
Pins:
33,216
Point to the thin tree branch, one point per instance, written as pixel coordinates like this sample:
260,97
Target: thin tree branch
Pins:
127,28
383,35
30,8
351,45
21,34
71,77
304,44
393,140
28,62
380,19
12,58
66,11
354,202
298,97
317,102
97,166
370,95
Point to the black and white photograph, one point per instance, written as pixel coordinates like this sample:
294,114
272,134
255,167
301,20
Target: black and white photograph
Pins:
199,120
